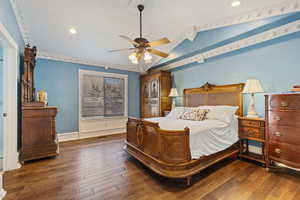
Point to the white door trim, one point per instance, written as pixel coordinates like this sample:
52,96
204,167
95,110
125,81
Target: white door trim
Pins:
10,123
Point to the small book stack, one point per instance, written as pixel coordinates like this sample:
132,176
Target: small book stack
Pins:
296,88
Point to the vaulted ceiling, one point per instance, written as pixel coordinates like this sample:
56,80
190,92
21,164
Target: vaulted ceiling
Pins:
98,23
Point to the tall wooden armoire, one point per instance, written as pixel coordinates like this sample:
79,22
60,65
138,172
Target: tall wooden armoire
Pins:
38,133
155,89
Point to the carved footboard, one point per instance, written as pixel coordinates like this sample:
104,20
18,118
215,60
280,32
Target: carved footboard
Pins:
167,152
171,147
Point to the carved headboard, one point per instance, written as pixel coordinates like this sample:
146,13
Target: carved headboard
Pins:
213,95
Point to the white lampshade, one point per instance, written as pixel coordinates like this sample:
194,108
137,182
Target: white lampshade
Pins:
252,86
173,93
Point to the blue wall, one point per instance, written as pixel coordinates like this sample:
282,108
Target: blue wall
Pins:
275,63
60,80
8,19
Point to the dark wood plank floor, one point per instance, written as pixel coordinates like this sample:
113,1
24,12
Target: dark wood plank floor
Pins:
99,169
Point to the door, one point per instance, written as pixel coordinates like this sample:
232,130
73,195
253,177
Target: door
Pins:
1,108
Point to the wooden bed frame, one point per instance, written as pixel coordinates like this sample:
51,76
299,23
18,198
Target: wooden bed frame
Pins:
167,152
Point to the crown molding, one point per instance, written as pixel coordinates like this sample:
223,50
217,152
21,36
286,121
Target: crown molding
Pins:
20,21
274,33
44,55
237,45
199,58
287,7
263,13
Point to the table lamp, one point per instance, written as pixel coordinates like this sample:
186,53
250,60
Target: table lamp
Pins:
252,86
173,94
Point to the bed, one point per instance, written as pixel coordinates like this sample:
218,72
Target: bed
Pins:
181,153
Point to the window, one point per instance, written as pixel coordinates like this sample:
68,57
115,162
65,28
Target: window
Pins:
102,94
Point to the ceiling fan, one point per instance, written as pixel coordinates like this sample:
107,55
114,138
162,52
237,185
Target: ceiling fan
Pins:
142,47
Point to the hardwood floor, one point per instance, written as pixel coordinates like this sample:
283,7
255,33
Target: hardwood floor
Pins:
99,169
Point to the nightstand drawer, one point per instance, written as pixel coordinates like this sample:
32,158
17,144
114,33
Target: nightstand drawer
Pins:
251,132
252,123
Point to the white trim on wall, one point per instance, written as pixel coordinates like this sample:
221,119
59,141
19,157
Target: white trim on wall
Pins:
237,45
290,6
10,102
65,137
2,191
10,123
44,55
20,21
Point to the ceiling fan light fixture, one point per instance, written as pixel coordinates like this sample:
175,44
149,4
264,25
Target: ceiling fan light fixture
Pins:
235,3
72,31
135,61
147,57
142,47
132,56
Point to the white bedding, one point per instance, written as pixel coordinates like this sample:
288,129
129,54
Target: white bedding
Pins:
206,137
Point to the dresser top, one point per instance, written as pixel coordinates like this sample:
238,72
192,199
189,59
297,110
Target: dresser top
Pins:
39,108
283,94
254,119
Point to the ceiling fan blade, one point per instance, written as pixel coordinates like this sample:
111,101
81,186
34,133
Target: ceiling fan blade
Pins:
127,49
159,53
159,42
128,39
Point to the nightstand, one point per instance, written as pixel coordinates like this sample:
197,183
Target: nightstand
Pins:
252,129
166,112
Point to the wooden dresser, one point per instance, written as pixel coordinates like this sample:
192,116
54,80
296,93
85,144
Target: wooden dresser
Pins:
155,89
283,129
39,138
38,134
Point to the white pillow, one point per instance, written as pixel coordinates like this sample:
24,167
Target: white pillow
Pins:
176,113
194,114
222,113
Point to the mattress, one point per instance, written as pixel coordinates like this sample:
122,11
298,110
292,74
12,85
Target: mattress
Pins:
206,137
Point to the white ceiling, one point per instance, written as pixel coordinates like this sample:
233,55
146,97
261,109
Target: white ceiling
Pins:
99,22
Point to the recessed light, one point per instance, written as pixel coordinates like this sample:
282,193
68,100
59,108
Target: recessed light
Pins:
235,3
73,31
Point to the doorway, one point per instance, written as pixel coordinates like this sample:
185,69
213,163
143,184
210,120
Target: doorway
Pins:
1,108
9,112
9,103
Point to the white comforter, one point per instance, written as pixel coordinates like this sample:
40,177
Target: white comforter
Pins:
206,137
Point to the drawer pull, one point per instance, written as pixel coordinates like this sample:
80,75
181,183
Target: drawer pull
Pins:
277,150
277,118
278,134
284,104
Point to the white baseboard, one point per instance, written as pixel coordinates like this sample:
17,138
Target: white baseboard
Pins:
12,163
2,191
64,137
